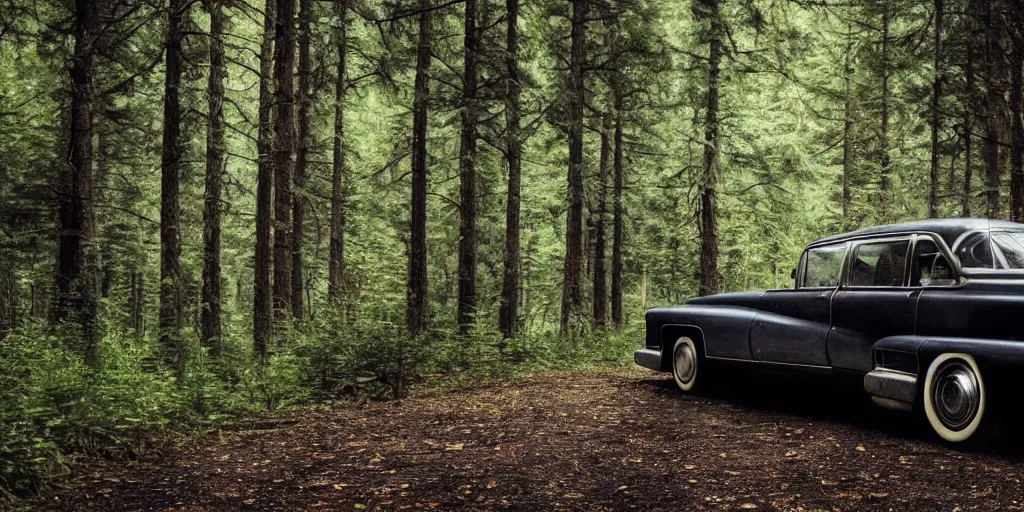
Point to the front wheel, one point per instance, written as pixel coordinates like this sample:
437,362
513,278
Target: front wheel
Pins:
955,401
687,365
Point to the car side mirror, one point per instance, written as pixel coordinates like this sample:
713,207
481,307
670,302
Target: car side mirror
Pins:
792,274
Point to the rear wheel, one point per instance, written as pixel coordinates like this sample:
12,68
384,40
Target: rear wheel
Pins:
955,401
687,365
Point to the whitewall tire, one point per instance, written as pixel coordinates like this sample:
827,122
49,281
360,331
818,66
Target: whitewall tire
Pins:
686,368
954,397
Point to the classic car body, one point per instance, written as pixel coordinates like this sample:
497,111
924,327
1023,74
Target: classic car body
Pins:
926,315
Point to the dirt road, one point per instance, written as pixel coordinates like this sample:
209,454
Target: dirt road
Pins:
576,442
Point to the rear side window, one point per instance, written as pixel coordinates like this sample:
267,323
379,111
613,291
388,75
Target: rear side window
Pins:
879,263
824,266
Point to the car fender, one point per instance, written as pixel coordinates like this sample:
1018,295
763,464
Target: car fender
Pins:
1000,354
1000,361
725,329
993,354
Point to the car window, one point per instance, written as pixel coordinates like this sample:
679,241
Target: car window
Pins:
931,267
975,251
824,266
1011,244
879,263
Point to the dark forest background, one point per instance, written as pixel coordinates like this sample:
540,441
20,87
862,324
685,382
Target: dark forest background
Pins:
218,207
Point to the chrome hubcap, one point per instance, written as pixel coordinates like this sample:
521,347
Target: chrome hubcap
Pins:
956,394
685,362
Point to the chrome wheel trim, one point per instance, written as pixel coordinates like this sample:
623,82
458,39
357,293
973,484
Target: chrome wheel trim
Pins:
954,400
955,394
684,363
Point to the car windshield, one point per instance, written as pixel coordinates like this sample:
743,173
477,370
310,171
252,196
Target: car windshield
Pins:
1011,245
995,249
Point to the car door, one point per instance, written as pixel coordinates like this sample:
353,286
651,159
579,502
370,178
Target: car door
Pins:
873,302
792,325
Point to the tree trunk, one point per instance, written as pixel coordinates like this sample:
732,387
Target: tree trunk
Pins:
305,98
76,280
709,278
466,309
1016,137
600,275
8,297
572,296
847,191
262,309
339,177
617,220
284,152
210,323
965,197
933,176
416,313
508,315
883,134
171,307
137,305
990,143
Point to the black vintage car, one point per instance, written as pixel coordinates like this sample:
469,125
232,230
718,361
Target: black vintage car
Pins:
924,315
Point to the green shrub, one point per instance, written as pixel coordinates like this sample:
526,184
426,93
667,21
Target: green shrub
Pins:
52,404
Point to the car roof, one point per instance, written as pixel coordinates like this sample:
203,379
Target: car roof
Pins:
947,229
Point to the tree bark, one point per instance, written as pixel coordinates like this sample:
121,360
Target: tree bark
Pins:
262,308
8,300
210,321
416,313
600,274
76,279
572,296
284,153
339,176
847,191
508,315
305,97
617,219
1016,137
709,277
970,105
171,306
137,301
883,134
466,309
990,143
933,176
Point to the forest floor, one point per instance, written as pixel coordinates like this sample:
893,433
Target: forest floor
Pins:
607,441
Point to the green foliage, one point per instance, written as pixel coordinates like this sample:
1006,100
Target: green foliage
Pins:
790,71
51,404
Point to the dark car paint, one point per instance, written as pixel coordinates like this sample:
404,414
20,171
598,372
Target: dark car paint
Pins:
949,230
838,329
792,327
862,317
980,308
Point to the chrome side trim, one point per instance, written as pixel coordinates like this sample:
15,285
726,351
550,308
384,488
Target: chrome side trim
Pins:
648,358
891,385
769,363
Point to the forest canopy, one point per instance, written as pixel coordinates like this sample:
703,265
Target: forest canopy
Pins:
216,206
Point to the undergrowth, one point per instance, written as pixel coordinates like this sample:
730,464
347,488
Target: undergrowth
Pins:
53,406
